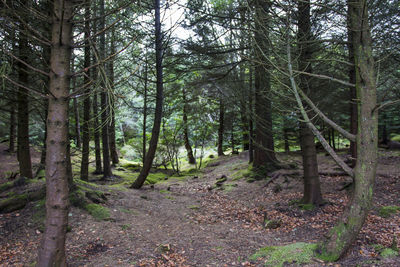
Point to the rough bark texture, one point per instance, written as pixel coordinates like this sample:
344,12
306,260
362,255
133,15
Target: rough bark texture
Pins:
312,188
221,127
111,128
96,123
345,232
264,155
52,248
188,147
24,155
104,102
159,102
251,117
353,93
86,101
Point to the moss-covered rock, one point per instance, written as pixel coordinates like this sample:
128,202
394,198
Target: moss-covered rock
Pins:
299,253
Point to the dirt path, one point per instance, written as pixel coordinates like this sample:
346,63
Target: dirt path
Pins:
187,224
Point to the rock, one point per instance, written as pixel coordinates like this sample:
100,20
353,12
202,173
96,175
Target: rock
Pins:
195,177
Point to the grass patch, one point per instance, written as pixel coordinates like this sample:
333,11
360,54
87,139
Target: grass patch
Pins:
194,207
387,211
299,253
243,173
308,207
229,187
154,178
98,211
163,191
5,186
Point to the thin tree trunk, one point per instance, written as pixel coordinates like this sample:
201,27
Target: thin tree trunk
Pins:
111,128
52,249
144,130
286,139
188,147
96,123
353,93
312,189
11,146
251,117
104,102
86,101
24,155
342,236
77,123
159,102
221,126
264,155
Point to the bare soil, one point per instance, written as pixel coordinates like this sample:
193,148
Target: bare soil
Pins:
191,223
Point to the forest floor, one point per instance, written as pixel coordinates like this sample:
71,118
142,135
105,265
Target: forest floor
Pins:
193,222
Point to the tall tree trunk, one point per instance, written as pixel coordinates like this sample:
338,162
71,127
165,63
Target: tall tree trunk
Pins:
233,144
264,155
96,126
159,102
286,139
96,123
111,128
188,147
104,101
353,92
144,130
52,249
24,155
86,101
11,143
221,126
345,232
312,188
251,117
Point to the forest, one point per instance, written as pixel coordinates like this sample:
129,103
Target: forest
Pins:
199,133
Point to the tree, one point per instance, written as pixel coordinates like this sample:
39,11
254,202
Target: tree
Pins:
159,102
24,155
52,248
312,189
345,232
264,155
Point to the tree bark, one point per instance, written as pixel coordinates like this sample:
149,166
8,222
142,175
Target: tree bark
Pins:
312,189
52,248
353,93
159,102
264,155
345,232
96,123
24,155
111,128
86,101
251,117
104,101
221,126
188,147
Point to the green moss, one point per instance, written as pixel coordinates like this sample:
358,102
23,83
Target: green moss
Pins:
97,211
244,173
389,253
194,207
162,191
77,198
395,138
5,186
154,178
337,231
387,211
299,253
306,207
125,226
229,187
41,174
